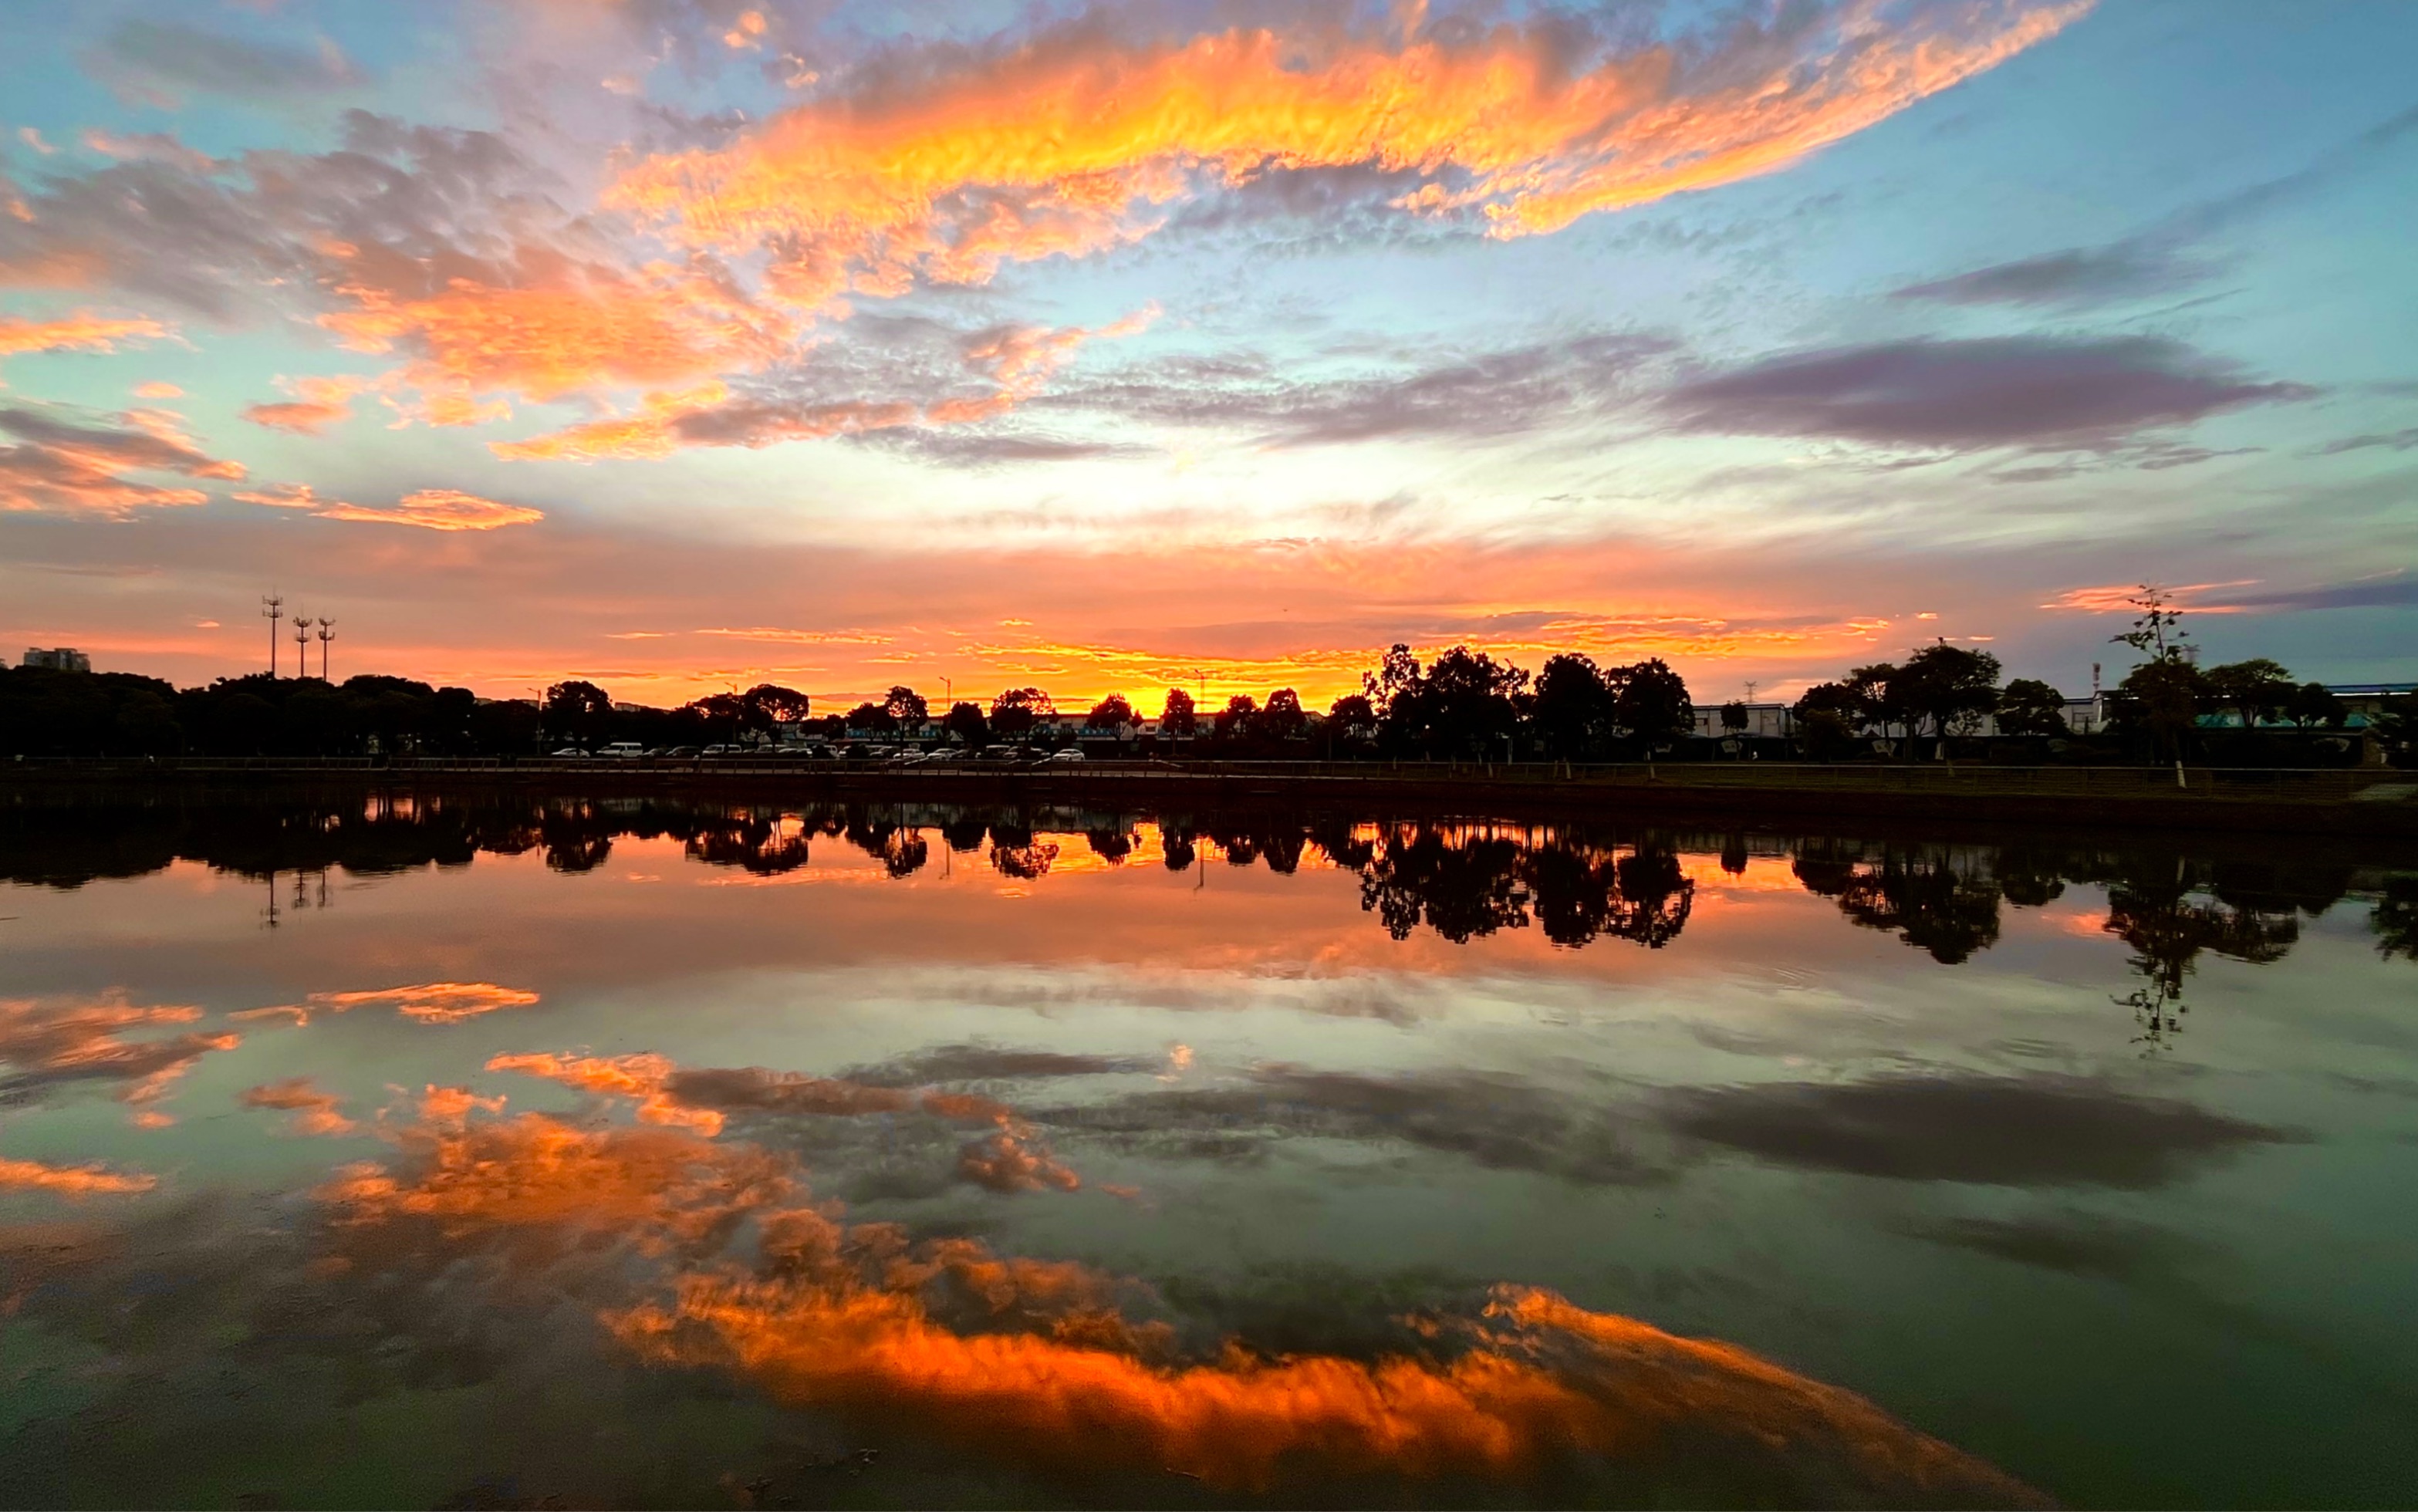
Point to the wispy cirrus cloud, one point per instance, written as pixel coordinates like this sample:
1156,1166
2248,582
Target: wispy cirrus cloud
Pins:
2071,279
429,508
83,331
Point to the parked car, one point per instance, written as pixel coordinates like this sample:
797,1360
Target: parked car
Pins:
571,750
674,753
720,750
623,750
1072,754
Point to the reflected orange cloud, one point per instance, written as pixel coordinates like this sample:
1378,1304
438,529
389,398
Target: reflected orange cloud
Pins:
52,1042
71,1181
660,1188
1037,1362
699,1098
1067,144
315,1111
1544,1379
430,1003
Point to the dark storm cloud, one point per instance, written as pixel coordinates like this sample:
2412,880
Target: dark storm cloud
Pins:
986,1063
2074,1243
1471,395
2037,1131
165,57
2036,391
2373,595
1503,1122
2070,279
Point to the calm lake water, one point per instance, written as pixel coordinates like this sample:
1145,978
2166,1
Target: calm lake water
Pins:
596,1153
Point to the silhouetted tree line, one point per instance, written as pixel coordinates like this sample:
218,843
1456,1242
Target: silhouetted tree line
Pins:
2155,711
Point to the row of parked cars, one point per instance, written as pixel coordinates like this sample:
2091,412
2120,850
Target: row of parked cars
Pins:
862,751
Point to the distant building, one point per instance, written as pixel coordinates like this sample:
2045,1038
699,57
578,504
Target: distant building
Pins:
2362,701
63,658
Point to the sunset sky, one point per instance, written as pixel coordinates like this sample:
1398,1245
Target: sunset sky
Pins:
676,345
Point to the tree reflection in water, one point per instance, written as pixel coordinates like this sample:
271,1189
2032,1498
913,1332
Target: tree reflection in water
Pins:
1461,881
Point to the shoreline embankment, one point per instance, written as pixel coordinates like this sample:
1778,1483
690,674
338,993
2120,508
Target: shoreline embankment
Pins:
2367,803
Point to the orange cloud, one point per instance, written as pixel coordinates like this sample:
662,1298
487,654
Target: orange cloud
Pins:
83,331
318,403
315,1111
567,329
76,465
157,389
1066,145
71,1181
438,509
2114,598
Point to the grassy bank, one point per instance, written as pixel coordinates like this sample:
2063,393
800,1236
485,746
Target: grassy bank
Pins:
2364,801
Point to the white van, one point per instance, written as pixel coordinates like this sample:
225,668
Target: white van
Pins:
623,750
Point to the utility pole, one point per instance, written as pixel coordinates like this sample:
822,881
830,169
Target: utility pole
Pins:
302,649
272,608
326,634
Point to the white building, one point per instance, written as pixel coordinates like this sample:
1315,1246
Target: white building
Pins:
63,658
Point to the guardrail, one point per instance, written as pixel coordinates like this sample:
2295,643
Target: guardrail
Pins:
2265,784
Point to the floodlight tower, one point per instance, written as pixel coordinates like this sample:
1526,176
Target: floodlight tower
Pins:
272,608
326,634
302,647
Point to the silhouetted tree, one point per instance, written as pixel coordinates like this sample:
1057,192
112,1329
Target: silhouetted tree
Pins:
1652,704
872,717
2253,692
2162,701
1238,721
905,707
1014,713
1945,686
2312,705
575,711
1828,717
1571,709
2028,706
965,721
1177,718
1109,713
1284,719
